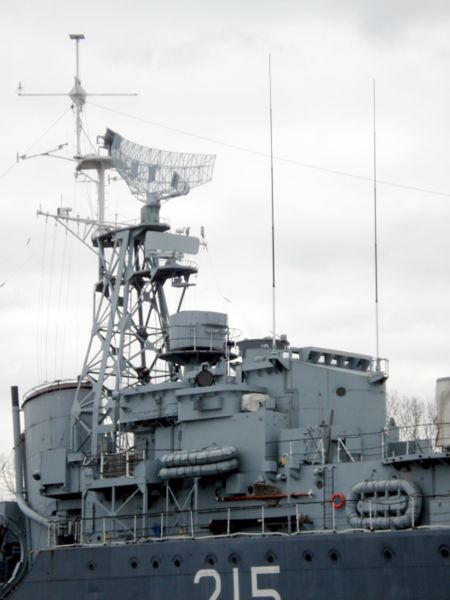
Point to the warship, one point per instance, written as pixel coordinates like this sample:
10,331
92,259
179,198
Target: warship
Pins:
186,461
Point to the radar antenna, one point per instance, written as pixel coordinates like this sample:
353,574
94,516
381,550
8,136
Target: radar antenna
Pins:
154,175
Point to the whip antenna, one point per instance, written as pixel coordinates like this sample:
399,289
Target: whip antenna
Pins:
377,328
274,335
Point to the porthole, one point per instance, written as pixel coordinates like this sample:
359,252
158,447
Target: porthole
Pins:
177,561
341,391
234,559
134,563
91,565
319,484
444,551
333,555
270,558
211,560
308,556
155,562
388,554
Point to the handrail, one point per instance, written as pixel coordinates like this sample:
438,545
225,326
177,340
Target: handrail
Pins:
178,525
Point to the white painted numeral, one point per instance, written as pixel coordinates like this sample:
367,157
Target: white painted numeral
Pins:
257,592
236,593
260,592
215,575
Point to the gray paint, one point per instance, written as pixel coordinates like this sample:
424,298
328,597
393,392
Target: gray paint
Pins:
95,452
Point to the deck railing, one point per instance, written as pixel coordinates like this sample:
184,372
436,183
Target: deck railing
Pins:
257,520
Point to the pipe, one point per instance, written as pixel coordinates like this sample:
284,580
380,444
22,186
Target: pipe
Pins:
278,496
18,462
17,444
30,513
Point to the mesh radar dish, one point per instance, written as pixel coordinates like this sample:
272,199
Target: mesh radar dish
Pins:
153,174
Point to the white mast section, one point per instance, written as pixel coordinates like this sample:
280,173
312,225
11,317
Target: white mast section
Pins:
90,162
77,94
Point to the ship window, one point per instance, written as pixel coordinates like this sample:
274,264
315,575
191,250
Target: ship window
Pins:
155,562
91,565
270,557
444,551
177,561
234,559
333,555
341,391
308,556
388,554
134,563
211,559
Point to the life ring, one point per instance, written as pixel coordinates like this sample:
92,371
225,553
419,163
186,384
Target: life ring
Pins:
337,500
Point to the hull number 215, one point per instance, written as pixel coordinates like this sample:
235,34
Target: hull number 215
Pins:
257,590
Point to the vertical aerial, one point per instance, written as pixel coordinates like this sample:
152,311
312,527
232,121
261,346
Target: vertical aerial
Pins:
375,224
272,211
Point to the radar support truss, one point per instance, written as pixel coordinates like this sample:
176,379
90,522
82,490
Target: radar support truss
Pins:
129,331
131,308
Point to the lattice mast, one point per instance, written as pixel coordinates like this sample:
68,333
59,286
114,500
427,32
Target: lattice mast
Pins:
131,312
130,320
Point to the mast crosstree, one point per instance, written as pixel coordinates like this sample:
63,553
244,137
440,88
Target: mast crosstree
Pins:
77,94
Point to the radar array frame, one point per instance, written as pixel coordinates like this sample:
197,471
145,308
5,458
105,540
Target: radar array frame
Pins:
158,174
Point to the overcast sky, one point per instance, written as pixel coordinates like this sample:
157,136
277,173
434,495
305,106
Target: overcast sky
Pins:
201,72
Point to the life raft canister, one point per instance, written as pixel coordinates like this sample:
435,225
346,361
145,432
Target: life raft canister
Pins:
337,500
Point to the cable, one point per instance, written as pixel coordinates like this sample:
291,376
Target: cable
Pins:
40,308
85,130
59,352
279,158
48,307
66,298
35,142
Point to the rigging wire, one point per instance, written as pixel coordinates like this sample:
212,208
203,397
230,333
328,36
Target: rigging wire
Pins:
375,235
278,158
59,309
85,130
66,302
66,110
49,299
40,322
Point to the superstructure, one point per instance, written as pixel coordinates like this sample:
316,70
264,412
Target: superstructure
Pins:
186,460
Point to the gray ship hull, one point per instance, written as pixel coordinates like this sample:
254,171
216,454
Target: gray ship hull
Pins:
409,565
